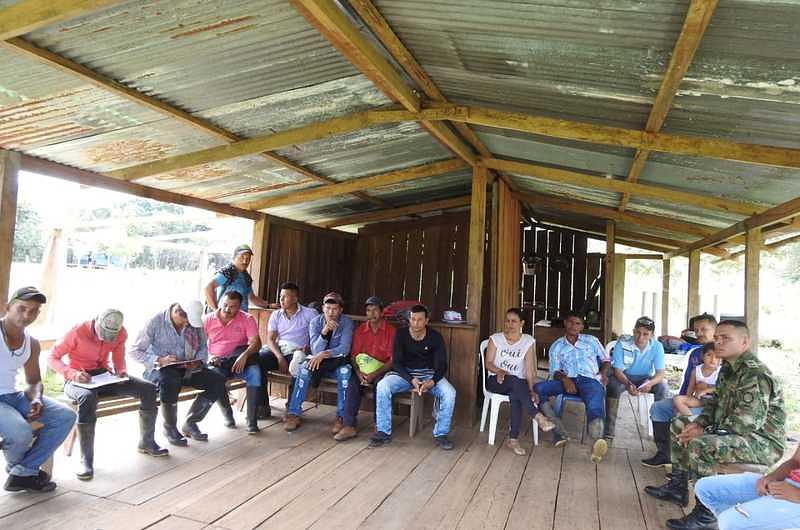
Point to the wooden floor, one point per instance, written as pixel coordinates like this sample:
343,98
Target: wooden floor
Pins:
307,480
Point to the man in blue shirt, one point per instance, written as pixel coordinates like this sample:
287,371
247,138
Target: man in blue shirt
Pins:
330,335
578,366
234,277
638,368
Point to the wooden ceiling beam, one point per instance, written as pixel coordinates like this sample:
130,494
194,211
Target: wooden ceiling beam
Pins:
694,26
621,186
364,183
601,134
29,15
385,215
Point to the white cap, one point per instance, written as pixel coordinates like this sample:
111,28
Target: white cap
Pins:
194,312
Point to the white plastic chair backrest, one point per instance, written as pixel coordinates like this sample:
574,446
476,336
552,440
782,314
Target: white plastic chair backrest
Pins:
482,355
610,349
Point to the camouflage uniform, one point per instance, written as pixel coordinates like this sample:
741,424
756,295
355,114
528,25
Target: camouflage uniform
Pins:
748,404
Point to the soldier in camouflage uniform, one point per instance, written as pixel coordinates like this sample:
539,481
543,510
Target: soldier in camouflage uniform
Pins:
744,422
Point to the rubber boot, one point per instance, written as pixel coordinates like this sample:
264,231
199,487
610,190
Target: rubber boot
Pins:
700,518
264,410
224,403
197,412
86,440
559,438
676,490
254,397
147,431
612,406
599,446
169,417
661,438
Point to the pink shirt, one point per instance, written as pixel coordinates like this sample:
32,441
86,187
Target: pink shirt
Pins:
87,352
224,338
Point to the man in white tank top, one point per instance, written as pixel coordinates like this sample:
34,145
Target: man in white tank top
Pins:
22,411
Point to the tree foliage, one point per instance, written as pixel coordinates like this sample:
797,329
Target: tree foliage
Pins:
28,237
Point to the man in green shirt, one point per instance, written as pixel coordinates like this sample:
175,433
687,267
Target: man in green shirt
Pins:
743,422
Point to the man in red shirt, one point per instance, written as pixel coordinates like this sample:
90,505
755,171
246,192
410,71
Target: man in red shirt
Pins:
89,346
371,356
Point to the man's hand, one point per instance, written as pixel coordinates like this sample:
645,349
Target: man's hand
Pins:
416,386
535,397
241,362
167,359
426,386
762,486
330,326
645,387
569,385
215,361
121,374
36,410
365,379
784,491
81,377
316,361
283,364
689,433
603,379
632,390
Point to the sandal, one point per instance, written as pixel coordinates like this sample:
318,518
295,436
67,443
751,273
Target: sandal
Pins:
544,423
513,444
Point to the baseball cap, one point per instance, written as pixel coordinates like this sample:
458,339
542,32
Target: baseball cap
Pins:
28,293
241,249
108,324
374,300
645,322
194,312
333,298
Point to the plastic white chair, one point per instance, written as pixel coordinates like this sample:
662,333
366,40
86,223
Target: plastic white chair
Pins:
644,401
492,402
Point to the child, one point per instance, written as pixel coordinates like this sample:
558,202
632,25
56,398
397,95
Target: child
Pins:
701,383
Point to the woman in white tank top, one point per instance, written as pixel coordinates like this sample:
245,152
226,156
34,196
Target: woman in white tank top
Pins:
510,370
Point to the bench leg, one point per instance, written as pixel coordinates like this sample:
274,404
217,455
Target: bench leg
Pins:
69,441
241,398
47,467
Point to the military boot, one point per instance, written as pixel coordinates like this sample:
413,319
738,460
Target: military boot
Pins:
701,518
676,490
661,438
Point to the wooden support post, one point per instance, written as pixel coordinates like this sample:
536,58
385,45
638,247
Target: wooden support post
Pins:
665,271
9,181
608,299
618,298
693,301
506,253
494,264
477,241
752,266
259,267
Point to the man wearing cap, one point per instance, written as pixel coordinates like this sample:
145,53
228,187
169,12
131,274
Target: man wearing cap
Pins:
330,335
172,347
638,368
89,346
234,277
233,344
25,450
371,359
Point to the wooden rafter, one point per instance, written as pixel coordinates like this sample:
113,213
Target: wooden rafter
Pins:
694,26
644,190
768,247
601,134
332,23
29,15
773,215
385,215
269,142
364,183
54,60
565,204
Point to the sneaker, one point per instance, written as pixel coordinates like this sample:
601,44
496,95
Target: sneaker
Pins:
379,439
513,444
444,443
346,433
599,450
337,426
559,440
297,359
292,423
37,484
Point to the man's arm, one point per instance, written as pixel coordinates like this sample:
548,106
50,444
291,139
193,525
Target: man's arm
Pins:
257,301
142,348
439,359
211,293
345,338
398,357
118,354
62,348
317,342
33,377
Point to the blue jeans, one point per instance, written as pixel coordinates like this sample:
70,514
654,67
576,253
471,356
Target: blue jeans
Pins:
392,383
721,493
22,459
303,380
251,373
591,392
662,411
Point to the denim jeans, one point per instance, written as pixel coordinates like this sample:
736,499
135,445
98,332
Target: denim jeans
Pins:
87,399
392,383
303,379
591,392
170,380
251,373
662,411
22,459
519,399
615,388
353,400
721,493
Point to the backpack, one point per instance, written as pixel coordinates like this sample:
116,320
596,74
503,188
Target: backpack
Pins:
399,311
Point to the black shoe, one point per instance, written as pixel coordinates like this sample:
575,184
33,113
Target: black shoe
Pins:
559,440
444,443
379,439
675,491
701,518
657,460
34,484
197,412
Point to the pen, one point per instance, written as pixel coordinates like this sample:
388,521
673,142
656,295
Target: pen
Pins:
741,510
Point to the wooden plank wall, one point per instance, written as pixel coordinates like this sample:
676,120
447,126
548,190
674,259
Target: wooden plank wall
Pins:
318,260
416,260
552,291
